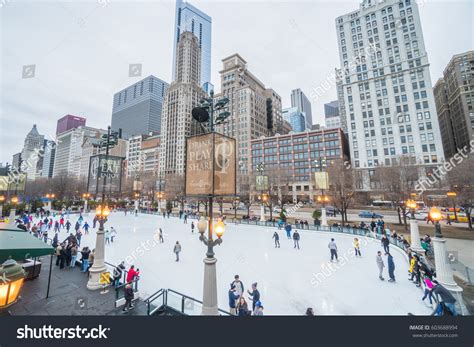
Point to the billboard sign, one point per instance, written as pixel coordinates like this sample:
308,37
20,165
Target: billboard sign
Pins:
322,180
261,182
210,165
108,168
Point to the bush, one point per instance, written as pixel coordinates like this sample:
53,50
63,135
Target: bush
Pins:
316,214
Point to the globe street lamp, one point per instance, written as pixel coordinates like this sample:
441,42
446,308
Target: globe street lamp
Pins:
444,272
12,276
209,307
159,195
414,230
99,257
49,196
264,198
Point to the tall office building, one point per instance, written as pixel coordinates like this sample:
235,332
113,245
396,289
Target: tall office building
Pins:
299,100
296,118
183,95
69,157
48,158
69,122
386,87
32,160
189,18
331,114
137,109
454,97
254,110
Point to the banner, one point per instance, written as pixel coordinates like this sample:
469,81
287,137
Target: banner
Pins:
205,171
261,182
13,182
322,180
108,168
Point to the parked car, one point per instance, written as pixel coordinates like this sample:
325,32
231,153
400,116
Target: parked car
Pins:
368,214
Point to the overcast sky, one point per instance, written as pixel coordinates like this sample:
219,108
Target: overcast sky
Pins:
82,51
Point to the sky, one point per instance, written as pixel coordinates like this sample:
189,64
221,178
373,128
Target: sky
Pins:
82,51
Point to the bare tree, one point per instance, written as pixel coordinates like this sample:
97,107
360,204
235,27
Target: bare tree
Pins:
175,189
341,187
461,181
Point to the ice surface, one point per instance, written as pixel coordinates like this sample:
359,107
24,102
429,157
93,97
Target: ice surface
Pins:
289,280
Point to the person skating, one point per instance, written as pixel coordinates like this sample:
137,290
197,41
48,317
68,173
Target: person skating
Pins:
333,249
162,240
113,234
254,295
296,239
177,250
56,227
277,239
239,286
86,228
68,226
391,267
385,244
128,295
288,231
233,297
107,237
192,226
357,247
380,264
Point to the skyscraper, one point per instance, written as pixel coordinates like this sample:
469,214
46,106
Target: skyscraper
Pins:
386,87
296,118
331,114
183,95
189,18
32,160
137,109
454,99
68,122
299,100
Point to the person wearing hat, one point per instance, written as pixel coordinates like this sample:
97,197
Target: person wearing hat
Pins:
254,295
233,297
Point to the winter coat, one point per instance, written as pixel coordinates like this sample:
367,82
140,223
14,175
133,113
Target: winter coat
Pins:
379,261
428,283
276,237
332,245
296,236
239,287
177,248
132,275
232,297
412,264
356,244
445,295
128,293
118,271
85,255
255,295
390,263
385,241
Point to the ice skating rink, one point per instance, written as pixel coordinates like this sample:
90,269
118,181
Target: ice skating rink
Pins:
289,280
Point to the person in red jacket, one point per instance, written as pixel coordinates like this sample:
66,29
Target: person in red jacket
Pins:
132,274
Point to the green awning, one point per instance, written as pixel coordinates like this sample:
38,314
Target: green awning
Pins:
19,245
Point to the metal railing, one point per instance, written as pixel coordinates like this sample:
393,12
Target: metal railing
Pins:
182,304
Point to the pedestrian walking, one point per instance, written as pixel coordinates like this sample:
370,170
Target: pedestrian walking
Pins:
277,239
380,264
357,247
296,239
177,250
333,249
254,295
391,267
128,295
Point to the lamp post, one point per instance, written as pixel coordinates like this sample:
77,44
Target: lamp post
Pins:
264,198
137,202
260,168
159,195
99,257
453,195
323,199
86,197
205,114
2,199
11,219
12,276
414,230
320,163
444,273
209,306
49,196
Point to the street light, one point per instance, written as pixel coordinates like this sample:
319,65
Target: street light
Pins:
99,266
414,228
411,205
435,215
12,276
2,200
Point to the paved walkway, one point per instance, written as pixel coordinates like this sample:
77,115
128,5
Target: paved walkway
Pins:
68,295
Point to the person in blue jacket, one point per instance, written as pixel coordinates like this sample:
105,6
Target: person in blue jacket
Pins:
288,231
233,296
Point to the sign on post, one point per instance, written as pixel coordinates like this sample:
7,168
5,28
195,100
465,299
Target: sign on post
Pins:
104,278
261,183
105,167
321,180
210,165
